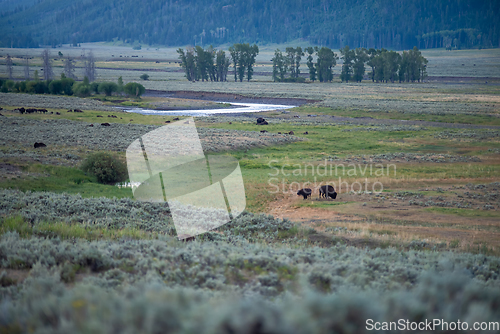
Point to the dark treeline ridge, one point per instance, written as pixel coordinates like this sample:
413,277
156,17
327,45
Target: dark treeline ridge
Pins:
209,64
395,24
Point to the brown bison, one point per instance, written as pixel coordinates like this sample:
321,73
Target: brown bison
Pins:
261,121
327,191
306,192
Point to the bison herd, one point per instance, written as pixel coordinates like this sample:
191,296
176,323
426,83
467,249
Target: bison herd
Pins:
324,192
23,110
31,110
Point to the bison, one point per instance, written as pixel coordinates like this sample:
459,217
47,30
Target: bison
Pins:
37,145
327,191
306,192
261,121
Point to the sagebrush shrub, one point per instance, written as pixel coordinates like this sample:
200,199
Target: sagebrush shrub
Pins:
105,167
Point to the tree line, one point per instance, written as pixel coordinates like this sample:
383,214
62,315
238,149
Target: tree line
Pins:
67,84
393,24
410,66
210,64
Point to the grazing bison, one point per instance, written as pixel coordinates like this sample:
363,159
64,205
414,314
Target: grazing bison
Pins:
327,191
261,121
306,192
37,145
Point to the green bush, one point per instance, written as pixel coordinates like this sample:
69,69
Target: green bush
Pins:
134,89
145,77
105,167
94,87
55,87
82,90
108,88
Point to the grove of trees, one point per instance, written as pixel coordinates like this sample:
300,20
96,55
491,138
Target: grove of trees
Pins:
410,66
209,64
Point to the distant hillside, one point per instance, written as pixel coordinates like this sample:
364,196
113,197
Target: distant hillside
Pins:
396,24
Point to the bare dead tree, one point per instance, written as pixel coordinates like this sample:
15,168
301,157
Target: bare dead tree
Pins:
69,68
8,64
26,68
47,65
90,66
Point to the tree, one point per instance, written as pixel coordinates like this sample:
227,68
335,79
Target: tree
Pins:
36,78
8,64
221,66
120,85
280,66
188,63
250,53
235,52
392,61
69,68
348,56
108,88
89,67
47,65
134,89
372,53
290,60
243,56
359,64
327,59
144,76
312,70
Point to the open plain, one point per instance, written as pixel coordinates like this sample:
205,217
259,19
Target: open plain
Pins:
416,167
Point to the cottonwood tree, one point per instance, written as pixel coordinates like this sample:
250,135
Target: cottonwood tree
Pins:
312,69
243,56
294,56
280,66
47,65
326,60
69,68
89,67
359,64
235,52
348,57
188,63
221,66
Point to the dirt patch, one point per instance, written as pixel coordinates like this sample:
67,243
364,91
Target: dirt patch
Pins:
16,276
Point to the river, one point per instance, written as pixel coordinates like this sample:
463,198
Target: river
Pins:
239,108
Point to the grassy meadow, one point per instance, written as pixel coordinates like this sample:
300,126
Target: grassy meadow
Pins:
415,225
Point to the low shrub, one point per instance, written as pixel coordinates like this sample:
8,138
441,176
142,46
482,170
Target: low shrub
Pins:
105,167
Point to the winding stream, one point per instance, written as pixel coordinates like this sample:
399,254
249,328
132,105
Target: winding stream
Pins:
239,108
